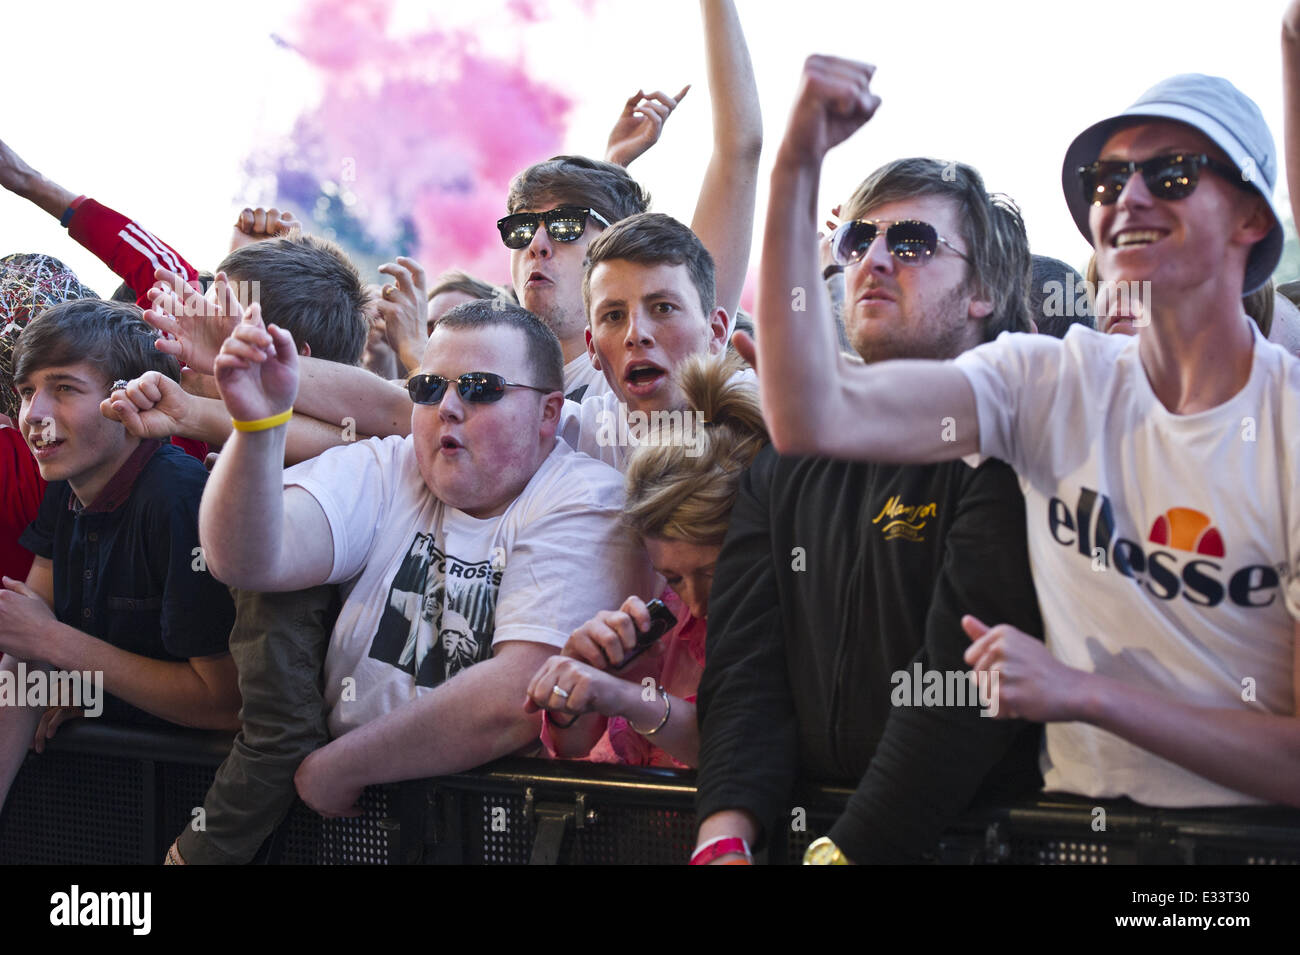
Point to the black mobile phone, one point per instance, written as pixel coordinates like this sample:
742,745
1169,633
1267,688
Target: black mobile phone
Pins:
661,621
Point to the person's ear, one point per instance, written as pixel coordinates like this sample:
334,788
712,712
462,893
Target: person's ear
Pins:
980,308
1257,223
717,331
591,349
551,410
305,349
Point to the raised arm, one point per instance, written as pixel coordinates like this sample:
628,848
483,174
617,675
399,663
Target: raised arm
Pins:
154,406
327,390
814,402
1291,99
255,533
122,244
724,213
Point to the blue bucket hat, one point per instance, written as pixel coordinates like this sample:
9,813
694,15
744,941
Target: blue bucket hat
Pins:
1216,108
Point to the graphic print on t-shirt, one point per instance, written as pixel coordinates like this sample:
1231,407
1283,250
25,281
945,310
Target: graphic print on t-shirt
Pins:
1092,529
439,615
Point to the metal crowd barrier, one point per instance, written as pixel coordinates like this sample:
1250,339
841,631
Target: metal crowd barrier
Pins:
106,794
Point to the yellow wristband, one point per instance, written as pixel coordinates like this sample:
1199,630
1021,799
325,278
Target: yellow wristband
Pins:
262,424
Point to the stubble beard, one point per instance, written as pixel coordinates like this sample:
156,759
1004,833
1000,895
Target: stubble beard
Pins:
939,337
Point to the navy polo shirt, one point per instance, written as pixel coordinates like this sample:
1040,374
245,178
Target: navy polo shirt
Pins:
126,567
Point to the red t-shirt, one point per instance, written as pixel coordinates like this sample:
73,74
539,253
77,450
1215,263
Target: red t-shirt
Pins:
20,499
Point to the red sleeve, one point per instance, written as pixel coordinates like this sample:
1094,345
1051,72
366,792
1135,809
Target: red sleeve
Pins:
126,247
21,479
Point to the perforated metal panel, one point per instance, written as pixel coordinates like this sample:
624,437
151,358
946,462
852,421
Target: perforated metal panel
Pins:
77,807
358,841
70,809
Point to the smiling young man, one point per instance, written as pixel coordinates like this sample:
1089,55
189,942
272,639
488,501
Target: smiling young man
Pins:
115,540
1159,472
462,541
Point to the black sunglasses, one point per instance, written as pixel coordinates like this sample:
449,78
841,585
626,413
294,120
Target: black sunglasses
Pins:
478,387
1166,177
563,224
910,241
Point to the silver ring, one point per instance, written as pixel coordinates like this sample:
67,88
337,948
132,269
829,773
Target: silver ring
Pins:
558,692
119,385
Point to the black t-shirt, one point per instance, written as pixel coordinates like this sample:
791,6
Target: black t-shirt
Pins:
132,574
834,577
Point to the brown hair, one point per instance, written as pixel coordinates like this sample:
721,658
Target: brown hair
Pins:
309,287
598,185
112,336
678,494
652,238
545,357
455,280
991,226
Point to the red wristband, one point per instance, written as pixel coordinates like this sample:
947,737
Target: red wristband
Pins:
719,848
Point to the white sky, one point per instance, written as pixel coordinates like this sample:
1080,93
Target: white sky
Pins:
151,106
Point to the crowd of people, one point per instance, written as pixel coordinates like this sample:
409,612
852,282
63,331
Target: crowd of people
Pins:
399,530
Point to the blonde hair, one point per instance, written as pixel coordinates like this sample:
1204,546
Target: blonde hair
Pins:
685,492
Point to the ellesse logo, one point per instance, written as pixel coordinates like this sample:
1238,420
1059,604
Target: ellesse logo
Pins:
1187,529
1091,529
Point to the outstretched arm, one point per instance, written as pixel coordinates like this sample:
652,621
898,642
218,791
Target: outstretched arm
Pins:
724,213
814,402
154,406
328,391
125,246
477,716
257,534
1253,753
22,180
1291,97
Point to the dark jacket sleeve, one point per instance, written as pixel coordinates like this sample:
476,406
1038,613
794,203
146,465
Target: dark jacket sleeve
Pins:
748,741
932,760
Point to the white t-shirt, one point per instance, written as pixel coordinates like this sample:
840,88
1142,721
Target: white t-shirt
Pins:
581,372
601,426
430,590
1164,547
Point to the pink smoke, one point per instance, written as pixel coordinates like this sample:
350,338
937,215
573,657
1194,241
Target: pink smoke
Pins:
416,136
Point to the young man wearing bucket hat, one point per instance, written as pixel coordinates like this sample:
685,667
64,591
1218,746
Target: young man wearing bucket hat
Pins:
1159,472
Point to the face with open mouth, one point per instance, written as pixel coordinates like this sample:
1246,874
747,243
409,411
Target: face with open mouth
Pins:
61,422
1176,244
478,456
645,320
547,275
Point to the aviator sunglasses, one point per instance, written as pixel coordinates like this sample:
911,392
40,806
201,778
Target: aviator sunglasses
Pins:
477,387
910,241
1166,177
563,224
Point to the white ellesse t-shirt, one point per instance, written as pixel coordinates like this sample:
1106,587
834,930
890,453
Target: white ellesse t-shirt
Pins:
601,426
1164,547
432,589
